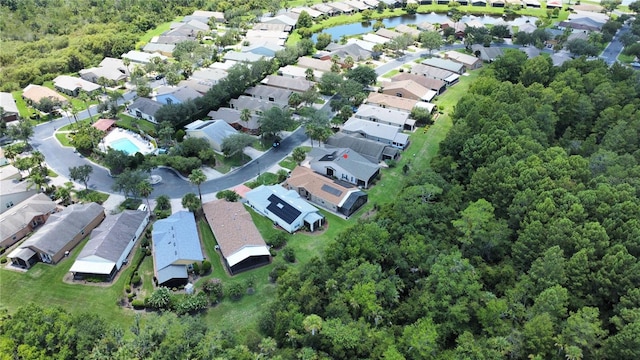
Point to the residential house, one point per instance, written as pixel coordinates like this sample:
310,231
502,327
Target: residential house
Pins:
425,26
333,195
272,27
404,29
391,101
254,36
72,85
371,150
444,64
408,89
553,4
218,16
201,86
386,134
8,171
14,192
488,54
176,95
172,39
284,207
33,94
297,72
341,7
437,85
374,38
143,108
23,219
162,49
312,12
111,69
285,19
315,64
497,3
257,106
58,236
578,35
176,246
372,3
584,24
530,51
480,3
325,9
560,58
210,75
475,23
109,245
389,34
366,45
233,118
531,3
450,78
443,2
142,58
528,28
240,243
263,48
397,118
243,57
269,93
214,131
392,3
298,85
357,5
345,165
356,51
10,110
459,28
470,62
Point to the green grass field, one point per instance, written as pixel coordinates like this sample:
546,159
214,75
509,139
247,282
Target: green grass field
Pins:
144,39
131,123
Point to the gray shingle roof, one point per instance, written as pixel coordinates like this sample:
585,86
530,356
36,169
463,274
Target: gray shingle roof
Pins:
146,106
111,238
347,159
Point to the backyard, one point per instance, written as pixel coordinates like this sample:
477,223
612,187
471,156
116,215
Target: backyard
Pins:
43,283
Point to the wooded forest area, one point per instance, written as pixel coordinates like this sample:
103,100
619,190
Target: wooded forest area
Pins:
522,243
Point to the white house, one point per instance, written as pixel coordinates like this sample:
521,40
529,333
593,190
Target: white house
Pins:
284,207
214,131
110,244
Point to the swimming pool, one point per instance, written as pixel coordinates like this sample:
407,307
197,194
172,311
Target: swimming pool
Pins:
125,145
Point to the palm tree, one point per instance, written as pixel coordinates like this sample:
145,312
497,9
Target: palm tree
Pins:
245,116
37,159
197,177
145,189
86,98
191,202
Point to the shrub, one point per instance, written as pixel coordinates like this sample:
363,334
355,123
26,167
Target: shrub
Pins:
127,288
235,291
130,297
196,268
213,287
278,239
391,163
138,304
228,195
147,252
189,304
205,267
277,271
289,254
144,242
136,280
3,261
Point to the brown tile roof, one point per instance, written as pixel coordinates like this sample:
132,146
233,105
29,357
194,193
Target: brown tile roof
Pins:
36,93
232,226
103,124
408,85
313,183
391,101
429,83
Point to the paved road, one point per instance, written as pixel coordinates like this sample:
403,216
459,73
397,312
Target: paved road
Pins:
60,159
613,50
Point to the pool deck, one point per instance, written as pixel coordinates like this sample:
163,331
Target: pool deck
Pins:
116,134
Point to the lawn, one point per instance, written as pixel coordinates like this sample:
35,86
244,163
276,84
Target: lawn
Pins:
391,73
43,285
25,111
288,163
157,31
63,138
131,123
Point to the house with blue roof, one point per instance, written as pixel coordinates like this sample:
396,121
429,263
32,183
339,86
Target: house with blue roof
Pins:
176,246
176,95
284,207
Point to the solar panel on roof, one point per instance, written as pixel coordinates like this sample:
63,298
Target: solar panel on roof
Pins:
331,190
282,209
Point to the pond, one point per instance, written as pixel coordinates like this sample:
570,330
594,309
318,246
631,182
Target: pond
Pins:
338,31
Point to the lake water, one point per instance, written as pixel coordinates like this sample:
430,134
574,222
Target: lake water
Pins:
362,28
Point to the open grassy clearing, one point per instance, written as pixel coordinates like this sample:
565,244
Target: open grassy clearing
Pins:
144,39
